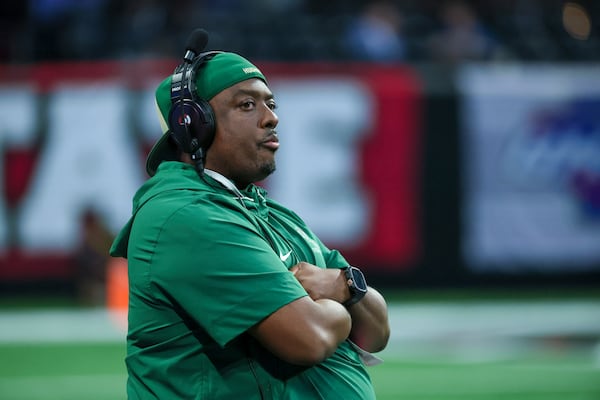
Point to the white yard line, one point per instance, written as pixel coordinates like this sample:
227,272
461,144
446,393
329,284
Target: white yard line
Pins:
93,325
411,322
505,319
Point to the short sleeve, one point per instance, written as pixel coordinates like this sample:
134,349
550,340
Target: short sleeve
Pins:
214,263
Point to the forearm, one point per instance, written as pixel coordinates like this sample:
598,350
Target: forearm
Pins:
370,325
338,323
305,331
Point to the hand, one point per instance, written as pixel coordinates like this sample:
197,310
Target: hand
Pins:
322,283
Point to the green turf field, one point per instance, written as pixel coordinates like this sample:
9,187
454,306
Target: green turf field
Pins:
96,372
538,378
62,371
451,348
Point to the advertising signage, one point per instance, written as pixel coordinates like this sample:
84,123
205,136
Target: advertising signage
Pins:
73,139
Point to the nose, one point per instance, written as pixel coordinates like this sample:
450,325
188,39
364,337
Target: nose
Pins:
270,119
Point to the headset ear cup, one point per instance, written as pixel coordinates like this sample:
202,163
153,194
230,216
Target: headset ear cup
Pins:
190,120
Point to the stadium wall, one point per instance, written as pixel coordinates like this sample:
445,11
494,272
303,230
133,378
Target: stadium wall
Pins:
421,174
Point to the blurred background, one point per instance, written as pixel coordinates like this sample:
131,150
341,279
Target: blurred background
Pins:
449,148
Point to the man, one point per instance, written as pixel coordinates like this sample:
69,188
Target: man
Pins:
231,295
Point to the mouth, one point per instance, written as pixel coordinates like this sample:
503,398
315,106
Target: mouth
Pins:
271,142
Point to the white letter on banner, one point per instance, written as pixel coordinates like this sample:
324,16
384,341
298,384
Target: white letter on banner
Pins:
89,161
147,115
321,122
18,123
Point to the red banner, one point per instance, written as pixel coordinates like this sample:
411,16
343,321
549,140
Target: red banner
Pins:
74,138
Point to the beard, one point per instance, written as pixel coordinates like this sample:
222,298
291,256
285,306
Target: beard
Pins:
267,169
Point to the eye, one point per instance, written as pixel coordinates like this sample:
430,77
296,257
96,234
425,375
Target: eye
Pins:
272,105
247,105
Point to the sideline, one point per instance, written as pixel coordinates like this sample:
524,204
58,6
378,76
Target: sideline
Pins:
411,322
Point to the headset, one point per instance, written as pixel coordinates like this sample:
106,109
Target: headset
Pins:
191,119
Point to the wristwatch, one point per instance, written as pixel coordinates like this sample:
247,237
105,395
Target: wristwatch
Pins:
356,283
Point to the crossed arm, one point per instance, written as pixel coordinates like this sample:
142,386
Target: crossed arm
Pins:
308,330
370,325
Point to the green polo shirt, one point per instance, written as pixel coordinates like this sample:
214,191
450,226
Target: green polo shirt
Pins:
206,264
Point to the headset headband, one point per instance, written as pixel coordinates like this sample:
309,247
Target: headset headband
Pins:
183,84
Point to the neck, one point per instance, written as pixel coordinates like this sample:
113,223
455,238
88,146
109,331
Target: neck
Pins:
186,158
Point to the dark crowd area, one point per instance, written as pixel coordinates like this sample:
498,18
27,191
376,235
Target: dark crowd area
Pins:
304,30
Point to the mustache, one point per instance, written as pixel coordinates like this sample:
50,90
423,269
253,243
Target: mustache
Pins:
271,136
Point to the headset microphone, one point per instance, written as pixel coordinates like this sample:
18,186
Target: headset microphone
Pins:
196,43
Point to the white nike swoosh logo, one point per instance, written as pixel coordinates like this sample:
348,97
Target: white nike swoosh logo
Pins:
284,257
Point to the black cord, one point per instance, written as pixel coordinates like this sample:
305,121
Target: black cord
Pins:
198,158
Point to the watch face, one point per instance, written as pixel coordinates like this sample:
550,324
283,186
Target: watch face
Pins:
357,285
359,279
